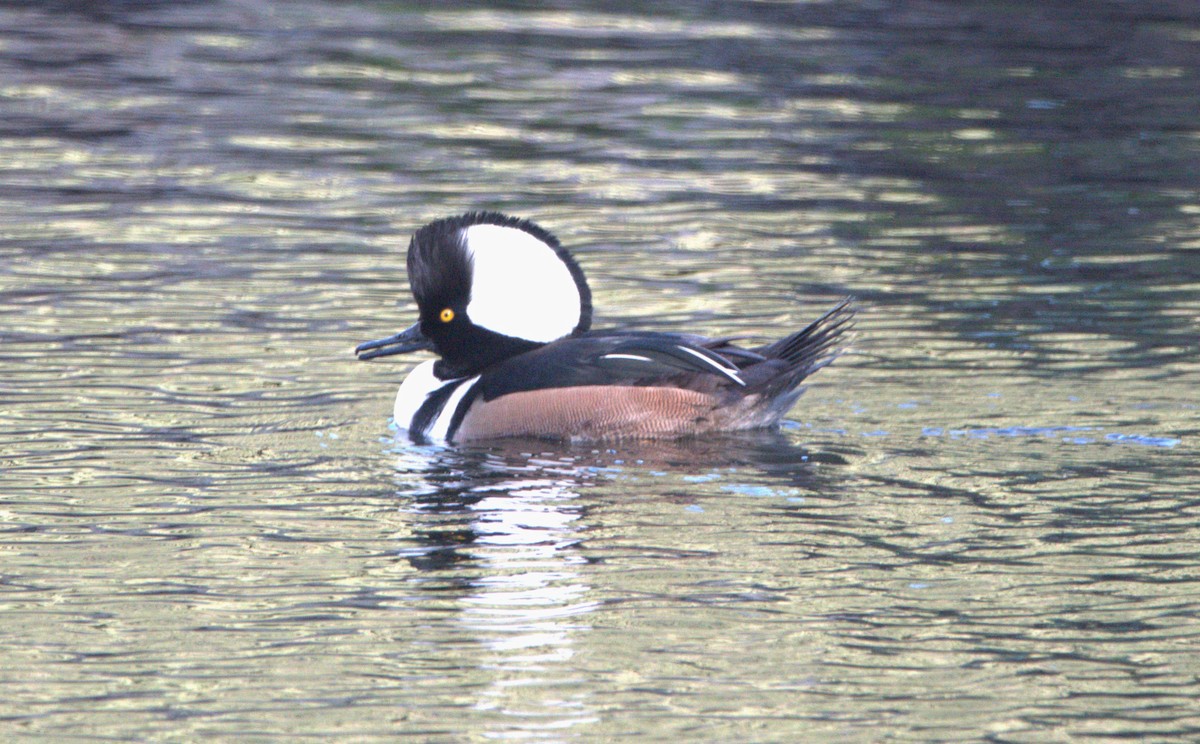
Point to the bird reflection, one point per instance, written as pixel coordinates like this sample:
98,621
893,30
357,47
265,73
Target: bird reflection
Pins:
496,536
525,492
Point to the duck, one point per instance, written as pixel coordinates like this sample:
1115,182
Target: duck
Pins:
507,311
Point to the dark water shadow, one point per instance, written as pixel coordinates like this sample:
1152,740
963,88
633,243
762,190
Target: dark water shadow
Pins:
524,491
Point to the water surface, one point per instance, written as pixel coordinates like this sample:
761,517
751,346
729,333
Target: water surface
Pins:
980,525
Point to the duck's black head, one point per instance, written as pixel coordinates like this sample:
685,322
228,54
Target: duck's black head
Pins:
488,286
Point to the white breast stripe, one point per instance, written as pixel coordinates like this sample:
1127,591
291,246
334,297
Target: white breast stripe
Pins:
725,369
419,385
441,425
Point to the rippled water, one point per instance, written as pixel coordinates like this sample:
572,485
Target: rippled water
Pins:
979,526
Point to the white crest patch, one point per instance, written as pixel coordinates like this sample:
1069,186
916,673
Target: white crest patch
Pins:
521,287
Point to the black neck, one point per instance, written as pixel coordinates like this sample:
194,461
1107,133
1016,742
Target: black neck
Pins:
473,353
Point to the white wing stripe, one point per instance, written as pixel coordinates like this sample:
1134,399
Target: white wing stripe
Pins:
727,370
634,357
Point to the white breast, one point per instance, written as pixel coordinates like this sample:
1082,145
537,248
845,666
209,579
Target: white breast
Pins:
413,392
416,389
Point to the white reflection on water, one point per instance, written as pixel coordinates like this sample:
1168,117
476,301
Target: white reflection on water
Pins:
516,524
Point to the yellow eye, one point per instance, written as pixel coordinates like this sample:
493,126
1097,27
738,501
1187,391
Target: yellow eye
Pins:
446,315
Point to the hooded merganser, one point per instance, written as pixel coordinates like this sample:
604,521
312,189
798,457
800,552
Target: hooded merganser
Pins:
508,310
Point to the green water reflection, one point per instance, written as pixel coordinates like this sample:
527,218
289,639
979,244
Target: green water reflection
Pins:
980,525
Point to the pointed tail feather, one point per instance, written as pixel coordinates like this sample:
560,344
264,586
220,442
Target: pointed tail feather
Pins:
812,348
